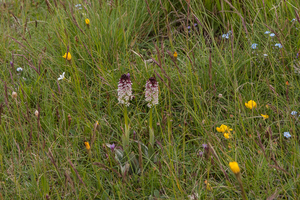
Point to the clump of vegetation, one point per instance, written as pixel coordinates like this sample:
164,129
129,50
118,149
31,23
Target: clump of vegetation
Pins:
149,99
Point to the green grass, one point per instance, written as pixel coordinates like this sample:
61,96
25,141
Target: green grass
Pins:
208,85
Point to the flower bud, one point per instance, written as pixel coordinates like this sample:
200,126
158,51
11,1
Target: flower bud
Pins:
14,95
36,113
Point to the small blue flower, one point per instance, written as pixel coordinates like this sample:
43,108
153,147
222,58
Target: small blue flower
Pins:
297,55
287,134
293,20
254,46
294,113
189,27
195,24
78,6
267,32
225,36
278,45
272,34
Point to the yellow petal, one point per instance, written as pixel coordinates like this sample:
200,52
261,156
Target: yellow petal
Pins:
265,116
234,166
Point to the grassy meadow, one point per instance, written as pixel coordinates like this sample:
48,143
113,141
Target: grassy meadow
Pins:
226,124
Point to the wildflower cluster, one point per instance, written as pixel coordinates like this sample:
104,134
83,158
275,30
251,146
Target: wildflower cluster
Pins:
189,27
225,130
67,56
151,92
125,90
227,35
251,104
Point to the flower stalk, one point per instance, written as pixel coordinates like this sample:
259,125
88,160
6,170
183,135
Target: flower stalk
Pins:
124,96
151,131
151,96
125,139
237,172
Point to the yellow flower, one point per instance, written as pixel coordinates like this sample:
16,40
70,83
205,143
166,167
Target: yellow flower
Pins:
175,54
267,106
223,128
251,104
234,166
87,145
208,187
87,21
68,57
227,135
265,116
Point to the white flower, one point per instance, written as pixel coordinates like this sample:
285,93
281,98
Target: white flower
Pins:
125,90
61,77
294,113
267,32
225,36
36,113
14,95
265,55
78,6
272,34
254,46
293,20
287,134
19,69
193,196
151,92
278,45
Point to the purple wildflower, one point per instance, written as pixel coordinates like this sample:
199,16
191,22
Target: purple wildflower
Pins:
200,154
134,134
112,146
205,146
125,90
151,92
